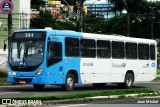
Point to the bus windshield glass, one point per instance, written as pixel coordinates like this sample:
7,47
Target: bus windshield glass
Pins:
26,51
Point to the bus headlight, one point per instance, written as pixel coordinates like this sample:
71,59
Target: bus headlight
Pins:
9,73
39,72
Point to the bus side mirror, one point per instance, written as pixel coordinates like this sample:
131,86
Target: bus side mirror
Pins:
4,48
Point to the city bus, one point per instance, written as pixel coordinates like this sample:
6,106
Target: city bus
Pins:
59,57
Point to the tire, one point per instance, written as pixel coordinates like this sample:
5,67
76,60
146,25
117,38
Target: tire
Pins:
128,83
69,82
38,86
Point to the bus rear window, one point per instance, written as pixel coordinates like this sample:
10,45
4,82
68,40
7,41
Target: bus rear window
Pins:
152,52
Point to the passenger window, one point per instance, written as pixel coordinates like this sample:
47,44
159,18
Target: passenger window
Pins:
152,52
143,51
72,47
88,48
103,49
131,50
118,49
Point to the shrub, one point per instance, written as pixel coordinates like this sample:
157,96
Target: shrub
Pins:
3,73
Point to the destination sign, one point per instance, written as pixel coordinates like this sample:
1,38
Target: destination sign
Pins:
29,35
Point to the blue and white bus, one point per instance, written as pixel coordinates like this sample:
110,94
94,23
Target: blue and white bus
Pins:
58,57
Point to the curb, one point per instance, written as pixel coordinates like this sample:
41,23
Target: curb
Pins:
98,98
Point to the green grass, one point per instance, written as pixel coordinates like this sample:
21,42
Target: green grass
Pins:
84,95
3,72
3,75
158,72
3,36
3,80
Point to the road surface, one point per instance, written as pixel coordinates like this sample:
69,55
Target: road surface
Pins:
28,90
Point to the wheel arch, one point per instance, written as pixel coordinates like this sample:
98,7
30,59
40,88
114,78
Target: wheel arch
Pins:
75,73
132,72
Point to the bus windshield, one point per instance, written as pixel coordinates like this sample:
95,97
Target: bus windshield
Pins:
26,53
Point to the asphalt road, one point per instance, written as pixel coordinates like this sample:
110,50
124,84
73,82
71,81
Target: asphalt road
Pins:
28,90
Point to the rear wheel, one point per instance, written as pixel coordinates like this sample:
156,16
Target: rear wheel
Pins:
38,86
69,83
128,82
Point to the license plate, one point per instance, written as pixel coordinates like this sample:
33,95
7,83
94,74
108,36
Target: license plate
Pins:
22,82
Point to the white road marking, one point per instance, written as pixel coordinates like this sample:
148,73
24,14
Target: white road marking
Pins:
73,105
10,92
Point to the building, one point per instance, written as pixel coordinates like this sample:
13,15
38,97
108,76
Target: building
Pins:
57,9
20,18
101,8
20,15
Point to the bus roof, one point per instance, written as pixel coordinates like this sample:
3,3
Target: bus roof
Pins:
113,37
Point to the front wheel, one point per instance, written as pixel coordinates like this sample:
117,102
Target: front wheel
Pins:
69,83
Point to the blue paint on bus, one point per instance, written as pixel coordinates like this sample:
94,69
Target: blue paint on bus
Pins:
54,74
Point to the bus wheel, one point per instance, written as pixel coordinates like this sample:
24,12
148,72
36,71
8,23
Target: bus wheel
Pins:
38,86
128,83
69,83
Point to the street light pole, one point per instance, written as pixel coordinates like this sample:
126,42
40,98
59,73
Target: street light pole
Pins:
152,20
10,23
81,16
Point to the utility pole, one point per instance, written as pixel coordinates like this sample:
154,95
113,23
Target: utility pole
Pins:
81,16
152,21
10,23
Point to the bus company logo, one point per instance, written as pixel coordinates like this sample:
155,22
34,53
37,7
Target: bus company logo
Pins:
20,102
153,64
88,64
123,65
6,6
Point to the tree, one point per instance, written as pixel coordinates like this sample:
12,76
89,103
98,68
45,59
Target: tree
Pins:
44,19
118,6
36,3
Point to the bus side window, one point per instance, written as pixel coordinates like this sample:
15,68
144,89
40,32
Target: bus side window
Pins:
143,51
152,52
103,49
131,50
54,53
118,50
72,47
88,48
